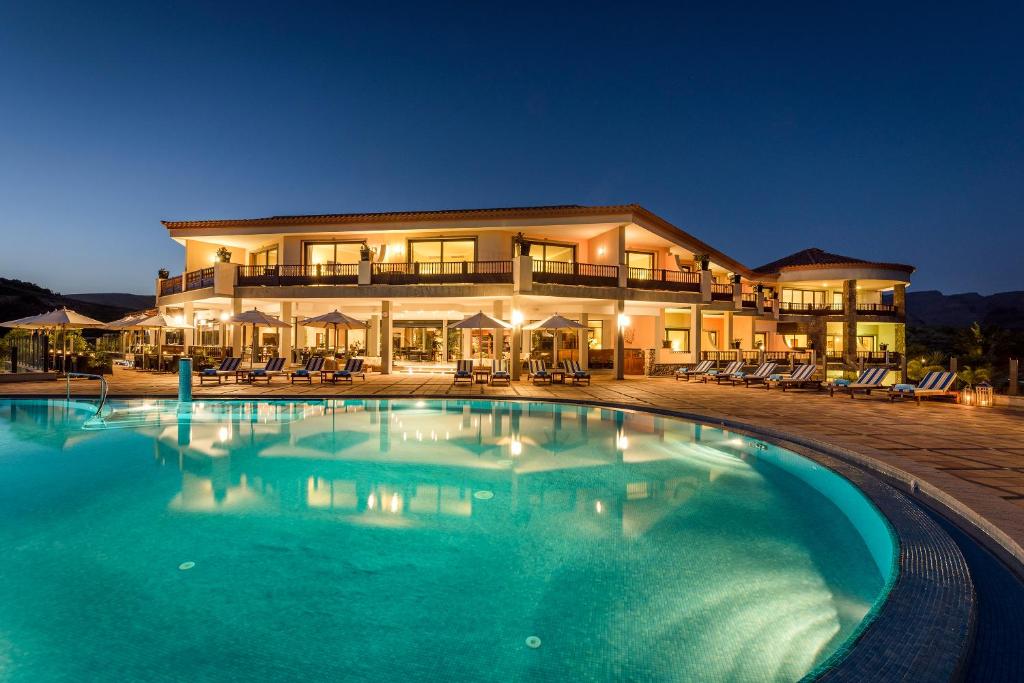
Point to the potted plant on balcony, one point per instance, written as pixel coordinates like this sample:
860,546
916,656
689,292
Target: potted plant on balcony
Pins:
163,273
702,261
522,244
365,252
737,278
224,255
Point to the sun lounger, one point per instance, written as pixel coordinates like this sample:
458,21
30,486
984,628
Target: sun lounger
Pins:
353,368
313,366
871,378
696,371
463,371
499,372
801,378
538,372
727,372
758,376
273,368
937,384
575,372
227,368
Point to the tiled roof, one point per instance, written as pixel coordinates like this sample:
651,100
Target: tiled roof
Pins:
397,216
818,258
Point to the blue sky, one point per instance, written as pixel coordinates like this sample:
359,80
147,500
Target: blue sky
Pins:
882,132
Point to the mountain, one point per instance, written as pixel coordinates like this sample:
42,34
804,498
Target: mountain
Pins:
135,302
935,309
19,299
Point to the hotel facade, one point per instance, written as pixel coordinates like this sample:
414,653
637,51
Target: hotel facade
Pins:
650,296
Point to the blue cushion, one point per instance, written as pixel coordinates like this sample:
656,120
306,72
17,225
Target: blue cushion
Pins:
462,374
258,372
904,387
580,373
302,372
741,374
841,382
342,373
209,371
775,378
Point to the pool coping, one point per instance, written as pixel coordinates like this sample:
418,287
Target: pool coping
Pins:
925,627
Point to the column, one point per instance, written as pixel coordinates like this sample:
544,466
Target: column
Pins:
188,313
373,336
467,344
584,345
659,334
899,301
849,322
516,363
444,339
498,332
696,331
385,333
287,343
620,341
236,330
727,332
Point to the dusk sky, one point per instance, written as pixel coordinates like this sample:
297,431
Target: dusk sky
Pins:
883,132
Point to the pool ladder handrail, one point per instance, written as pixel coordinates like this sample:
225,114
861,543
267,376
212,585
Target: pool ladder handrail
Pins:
87,375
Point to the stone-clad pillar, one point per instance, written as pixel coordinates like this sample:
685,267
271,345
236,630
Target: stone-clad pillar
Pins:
849,322
620,341
696,331
385,334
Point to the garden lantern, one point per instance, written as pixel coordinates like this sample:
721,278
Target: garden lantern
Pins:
967,395
983,395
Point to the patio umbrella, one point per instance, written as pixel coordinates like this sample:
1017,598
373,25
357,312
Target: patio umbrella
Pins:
256,319
556,323
61,319
158,323
336,319
126,324
480,321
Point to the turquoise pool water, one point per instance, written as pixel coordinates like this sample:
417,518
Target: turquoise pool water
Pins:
411,540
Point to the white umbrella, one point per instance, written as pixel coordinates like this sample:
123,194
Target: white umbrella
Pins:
256,319
58,319
127,324
556,323
336,319
158,323
481,321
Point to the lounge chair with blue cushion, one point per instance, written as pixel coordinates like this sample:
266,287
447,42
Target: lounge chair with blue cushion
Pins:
937,384
314,366
353,368
800,378
463,371
575,372
227,368
869,379
273,368
729,371
499,372
538,372
696,371
758,376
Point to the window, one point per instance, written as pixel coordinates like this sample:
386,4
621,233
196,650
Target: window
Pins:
640,259
545,251
437,251
805,298
795,341
761,341
595,334
264,257
318,253
713,338
678,339
866,342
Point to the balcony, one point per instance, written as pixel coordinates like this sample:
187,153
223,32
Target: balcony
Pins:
170,285
198,279
749,300
671,280
307,275
442,273
876,309
721,292
809,308
571,273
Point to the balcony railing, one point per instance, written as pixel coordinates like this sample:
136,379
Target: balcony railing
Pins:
572,273
198,279
890,358
306,275
749,300
171,285
659,278
721,292
876,309
442,272
809,308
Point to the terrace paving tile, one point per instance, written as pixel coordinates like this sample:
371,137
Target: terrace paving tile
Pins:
975,456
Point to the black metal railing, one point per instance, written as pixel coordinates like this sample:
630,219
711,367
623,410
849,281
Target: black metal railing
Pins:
809,308
659,278
171,285
197,279
573,273
749,299
304,275
442,272
876,309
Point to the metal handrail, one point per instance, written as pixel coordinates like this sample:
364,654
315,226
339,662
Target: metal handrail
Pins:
103,386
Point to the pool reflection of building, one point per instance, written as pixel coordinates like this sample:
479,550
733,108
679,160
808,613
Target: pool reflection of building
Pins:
407,464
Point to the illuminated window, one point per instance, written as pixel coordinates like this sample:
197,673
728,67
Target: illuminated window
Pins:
595,334
640,259
264,257
436,251
795,341
678,339
544,251
320,253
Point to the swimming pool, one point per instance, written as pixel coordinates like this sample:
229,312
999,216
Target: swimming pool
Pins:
457,539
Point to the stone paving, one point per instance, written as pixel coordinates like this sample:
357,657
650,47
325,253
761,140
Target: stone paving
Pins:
973,455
